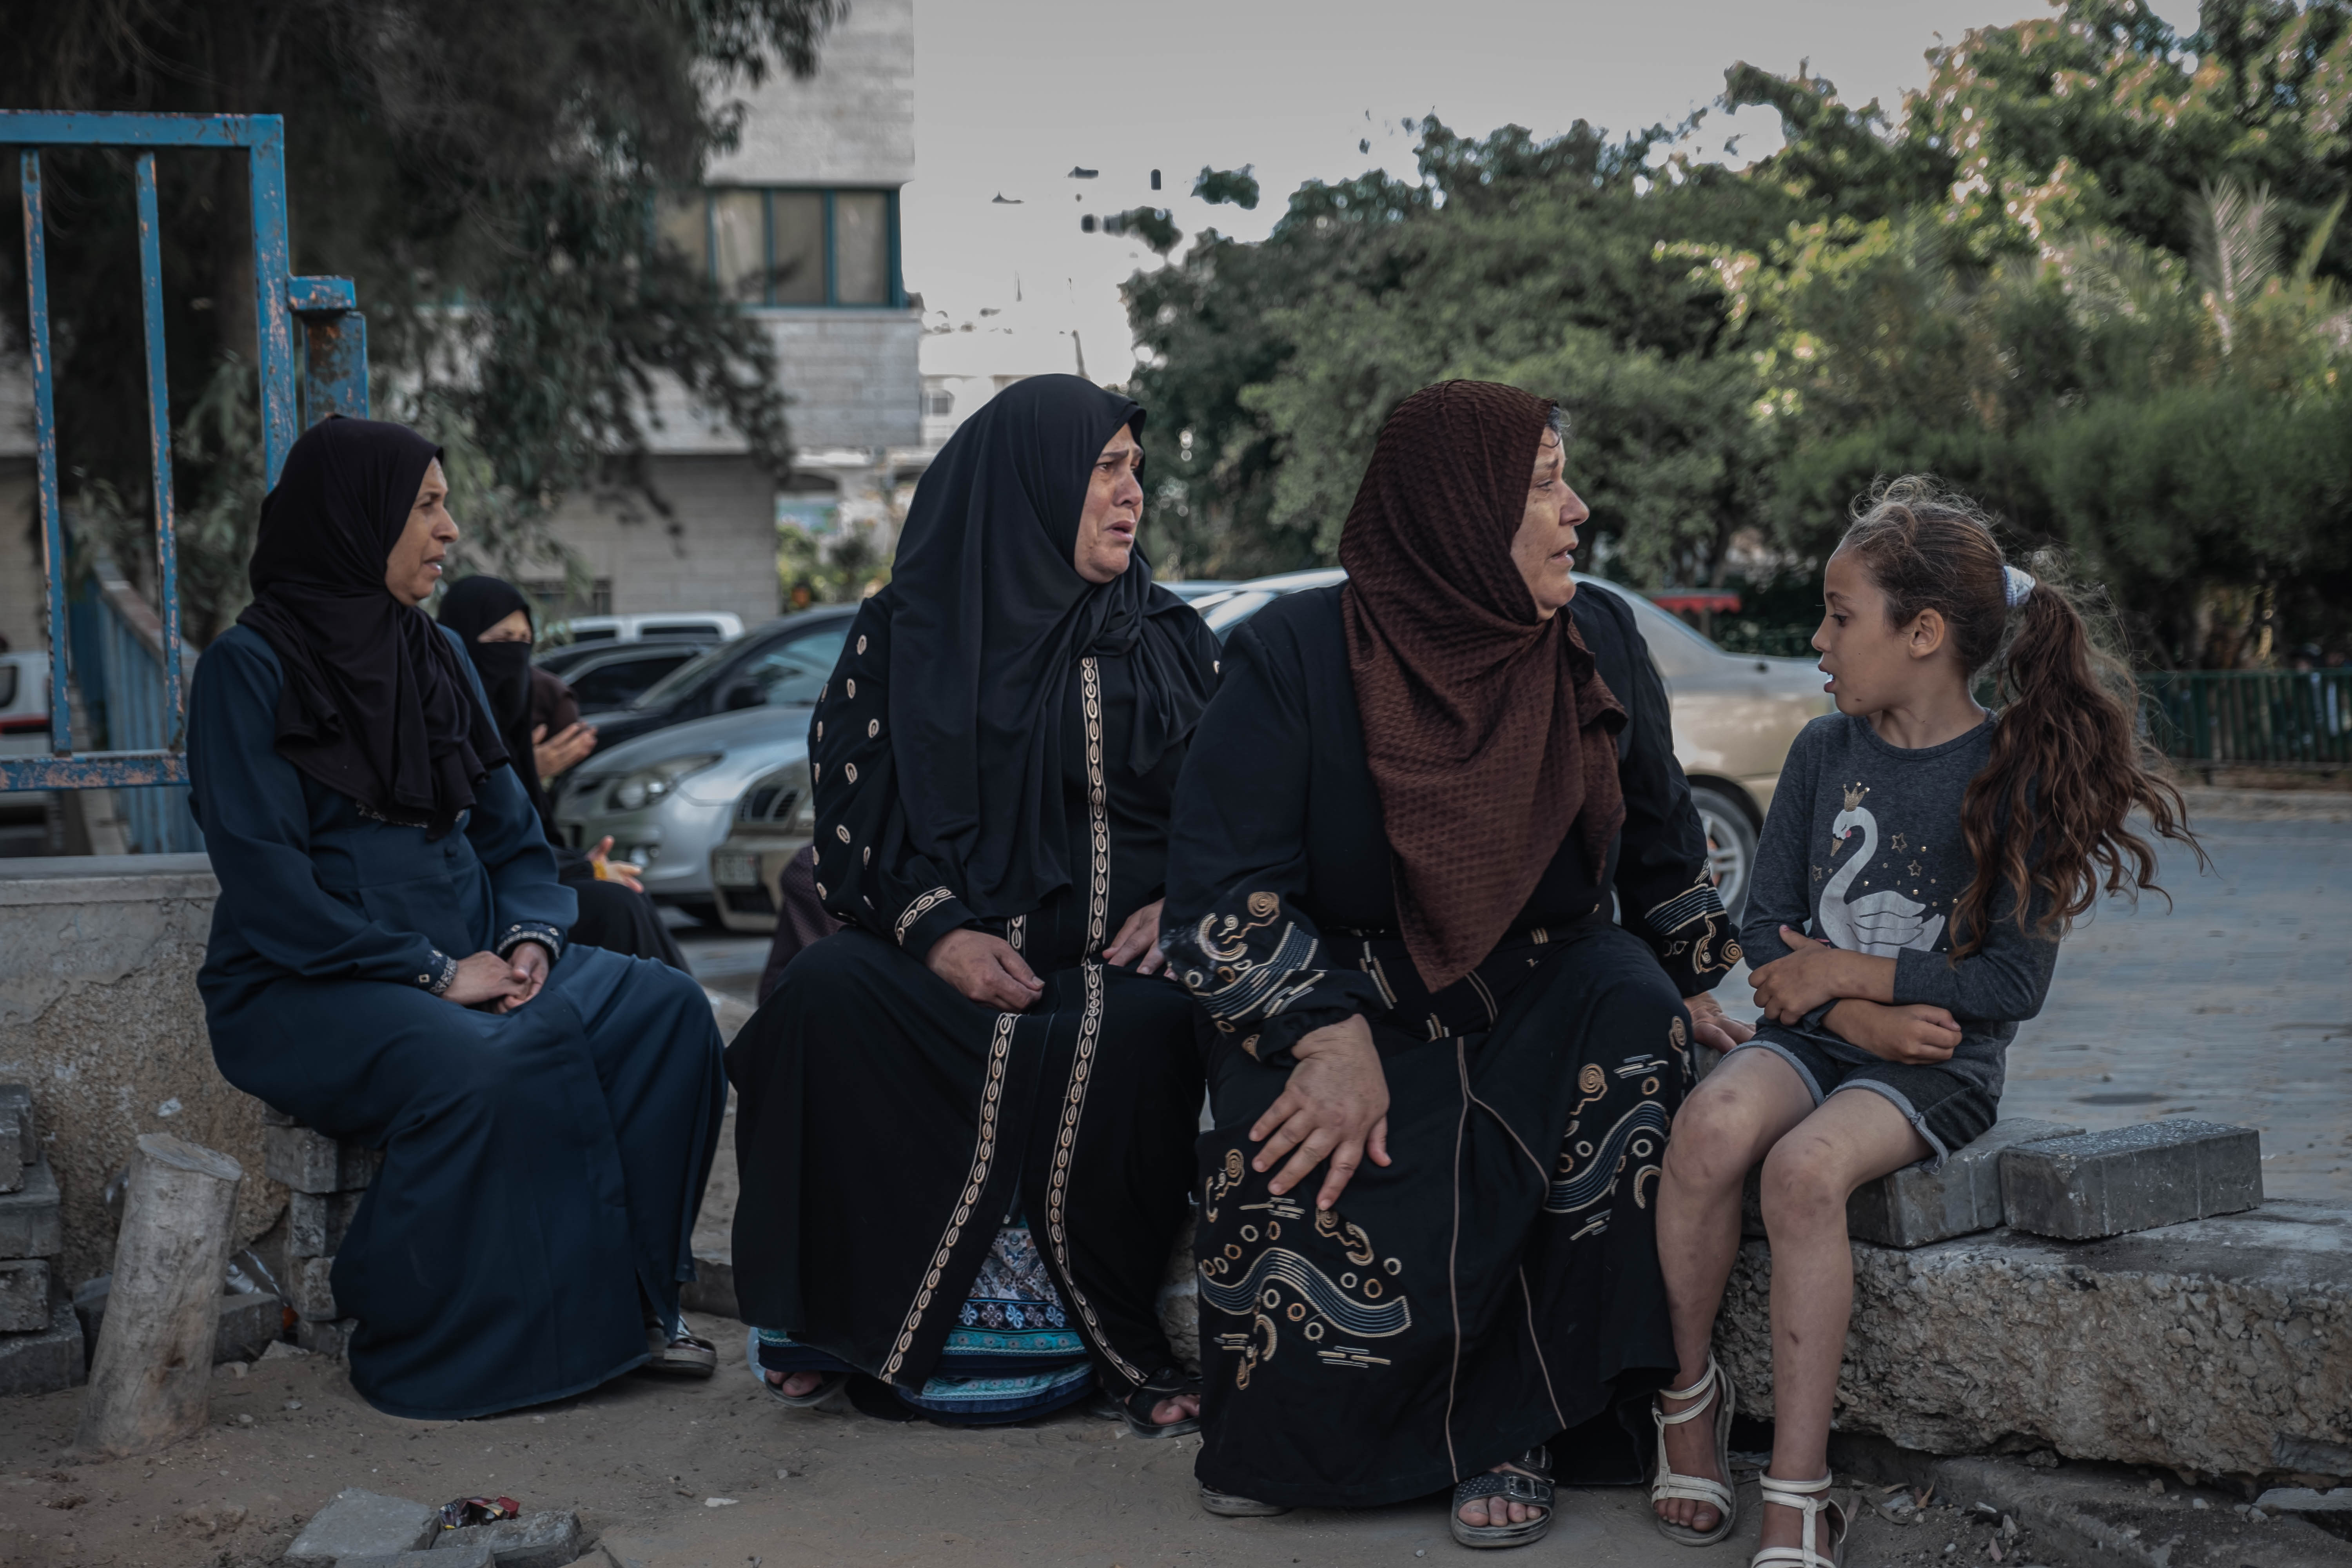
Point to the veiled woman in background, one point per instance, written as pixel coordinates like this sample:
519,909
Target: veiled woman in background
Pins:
389,965
964,1124
1390,884
493,620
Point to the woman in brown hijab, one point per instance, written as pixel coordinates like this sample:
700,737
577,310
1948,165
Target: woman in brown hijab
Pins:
1390,877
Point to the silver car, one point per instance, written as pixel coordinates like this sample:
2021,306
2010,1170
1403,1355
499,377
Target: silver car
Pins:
773,822
1735,714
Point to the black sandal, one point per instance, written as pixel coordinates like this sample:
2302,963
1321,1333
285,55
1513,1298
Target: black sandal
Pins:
1528,1483
1168,1382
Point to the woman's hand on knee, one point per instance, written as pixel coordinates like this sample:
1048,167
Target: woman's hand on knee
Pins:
486,977
1913,1033
985,969
1138,939
1335,1106
529,965
1712,1028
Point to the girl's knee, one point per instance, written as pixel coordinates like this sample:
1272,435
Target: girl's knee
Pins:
1805,1181
1714,1138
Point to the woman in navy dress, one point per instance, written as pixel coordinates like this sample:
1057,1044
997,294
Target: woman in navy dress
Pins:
388,964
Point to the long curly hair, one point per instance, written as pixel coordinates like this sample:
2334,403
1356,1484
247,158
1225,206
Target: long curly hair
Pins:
2049,815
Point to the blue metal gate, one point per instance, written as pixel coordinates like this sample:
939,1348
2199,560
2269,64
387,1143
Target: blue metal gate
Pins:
141,666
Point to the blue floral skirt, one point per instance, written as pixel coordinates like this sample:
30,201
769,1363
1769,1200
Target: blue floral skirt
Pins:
1012,1352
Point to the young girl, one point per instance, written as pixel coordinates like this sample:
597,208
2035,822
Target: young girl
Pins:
1920,862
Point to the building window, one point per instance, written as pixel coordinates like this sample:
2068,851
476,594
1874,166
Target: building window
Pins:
938,405
780,246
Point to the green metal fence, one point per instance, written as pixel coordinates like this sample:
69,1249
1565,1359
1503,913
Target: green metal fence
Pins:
2250,718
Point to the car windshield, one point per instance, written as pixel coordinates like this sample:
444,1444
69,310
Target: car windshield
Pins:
687,678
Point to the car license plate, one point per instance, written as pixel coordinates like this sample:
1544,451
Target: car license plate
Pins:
736,868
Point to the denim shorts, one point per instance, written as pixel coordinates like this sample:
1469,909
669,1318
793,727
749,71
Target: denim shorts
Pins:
1948,1110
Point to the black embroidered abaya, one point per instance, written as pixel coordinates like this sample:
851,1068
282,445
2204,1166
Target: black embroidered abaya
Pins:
1497,1284
613,916
542,1167
996,750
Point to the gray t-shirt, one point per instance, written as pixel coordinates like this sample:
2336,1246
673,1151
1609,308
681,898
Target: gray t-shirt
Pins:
1863,845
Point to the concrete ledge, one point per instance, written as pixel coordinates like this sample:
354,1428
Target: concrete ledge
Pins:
106,879
2219,1346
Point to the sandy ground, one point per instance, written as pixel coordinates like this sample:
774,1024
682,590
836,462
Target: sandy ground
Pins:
641,1458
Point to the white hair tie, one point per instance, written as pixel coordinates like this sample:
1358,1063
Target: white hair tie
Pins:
2019,585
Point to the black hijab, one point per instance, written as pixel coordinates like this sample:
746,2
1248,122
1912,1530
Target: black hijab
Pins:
469,608
375,704
989,619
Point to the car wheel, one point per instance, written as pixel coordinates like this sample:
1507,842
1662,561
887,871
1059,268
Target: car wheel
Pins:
1730,845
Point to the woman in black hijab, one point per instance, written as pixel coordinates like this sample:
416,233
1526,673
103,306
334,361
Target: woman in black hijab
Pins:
494,621
965,1124
389,965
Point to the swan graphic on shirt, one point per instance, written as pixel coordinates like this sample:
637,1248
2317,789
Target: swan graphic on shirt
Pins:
1881,923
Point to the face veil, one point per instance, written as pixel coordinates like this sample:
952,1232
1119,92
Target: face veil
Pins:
991,618
375,703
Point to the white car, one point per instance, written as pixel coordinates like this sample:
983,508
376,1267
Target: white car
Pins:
682,626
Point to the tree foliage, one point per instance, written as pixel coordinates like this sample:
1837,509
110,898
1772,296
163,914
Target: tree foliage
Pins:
2093,272
486,172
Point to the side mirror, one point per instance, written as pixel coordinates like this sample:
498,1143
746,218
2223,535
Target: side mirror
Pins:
745,694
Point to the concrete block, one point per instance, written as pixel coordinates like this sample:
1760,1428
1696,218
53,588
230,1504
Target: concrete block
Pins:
713,1288
476,1556
311,1288
30,1222
2131,1178
316,1222
249,1321
45,1361
363,1524
273,1116
1914,1206
309,1162
333,1340
24,1295
11,1162
2218,1345
548,1540
17,1116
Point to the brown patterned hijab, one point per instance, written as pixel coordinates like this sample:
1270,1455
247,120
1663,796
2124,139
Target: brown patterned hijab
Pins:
1489,732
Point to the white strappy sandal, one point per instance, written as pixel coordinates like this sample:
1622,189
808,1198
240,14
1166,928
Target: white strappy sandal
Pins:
1716,1495
1809,1496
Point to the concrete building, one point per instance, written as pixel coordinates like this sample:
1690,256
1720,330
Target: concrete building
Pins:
800,225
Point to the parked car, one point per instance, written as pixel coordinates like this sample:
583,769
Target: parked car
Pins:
783,663
24,704
703,627
773,821
1192,592
1734,715
613,674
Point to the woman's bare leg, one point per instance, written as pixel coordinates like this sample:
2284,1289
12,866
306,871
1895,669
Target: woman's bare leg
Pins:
1856,1136
1733,1117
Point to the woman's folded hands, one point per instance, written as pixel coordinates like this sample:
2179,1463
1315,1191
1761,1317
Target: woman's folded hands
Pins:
501,984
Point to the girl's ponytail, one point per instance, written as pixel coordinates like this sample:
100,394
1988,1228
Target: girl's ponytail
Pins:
2067,768
2049,815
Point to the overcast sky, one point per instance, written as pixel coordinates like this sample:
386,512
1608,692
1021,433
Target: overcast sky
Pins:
1012,94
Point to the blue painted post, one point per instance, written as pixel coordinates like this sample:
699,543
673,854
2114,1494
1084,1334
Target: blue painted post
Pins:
272,315
170,729
334,348
45,445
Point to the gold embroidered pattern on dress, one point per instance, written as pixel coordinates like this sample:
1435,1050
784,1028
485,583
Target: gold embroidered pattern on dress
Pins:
1017,931
992,1098
1089,1023
1281,1287
1232,985
1696,916
922,906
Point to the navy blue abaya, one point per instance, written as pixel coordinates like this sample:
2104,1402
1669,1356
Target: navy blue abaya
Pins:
542,1168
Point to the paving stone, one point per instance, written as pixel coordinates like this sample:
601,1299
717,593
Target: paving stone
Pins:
24,1295
311,1290
326,1338
2218,1345
316,1222
309,1162
363,1524
46,1361
30,1225
2128,1179
548,1540
249,1321
712,1290
1914,1205
476,1556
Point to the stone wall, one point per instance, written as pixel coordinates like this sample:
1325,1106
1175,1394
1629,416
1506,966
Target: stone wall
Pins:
716,551
100,1017
852,123
2222,1345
